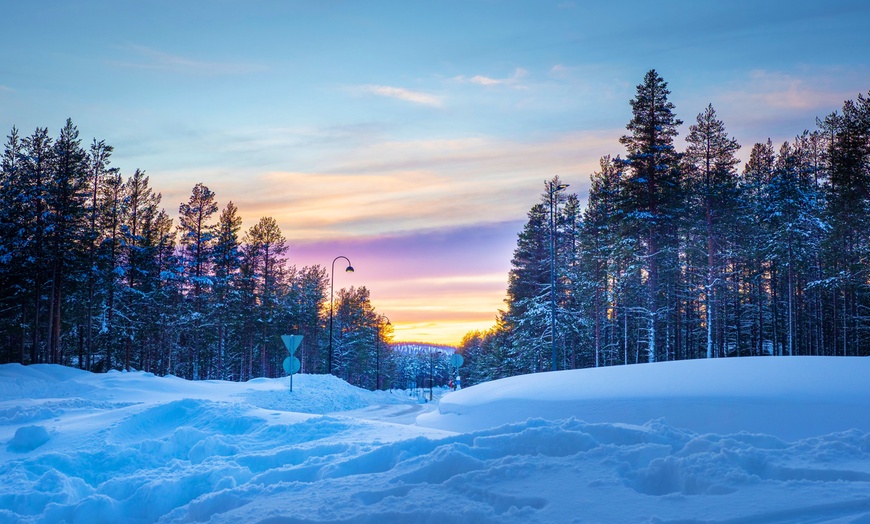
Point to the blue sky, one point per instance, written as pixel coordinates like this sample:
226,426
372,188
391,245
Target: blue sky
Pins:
410,136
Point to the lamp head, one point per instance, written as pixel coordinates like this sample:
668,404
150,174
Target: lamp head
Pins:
349,269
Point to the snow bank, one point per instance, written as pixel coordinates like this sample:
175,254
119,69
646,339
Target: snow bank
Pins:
792,397
135,448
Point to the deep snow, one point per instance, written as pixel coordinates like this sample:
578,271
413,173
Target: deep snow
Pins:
730,440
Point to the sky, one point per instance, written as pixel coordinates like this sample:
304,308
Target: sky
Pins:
410,137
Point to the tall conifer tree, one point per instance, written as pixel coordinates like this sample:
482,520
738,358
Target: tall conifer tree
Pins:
651,196
197,233
711,181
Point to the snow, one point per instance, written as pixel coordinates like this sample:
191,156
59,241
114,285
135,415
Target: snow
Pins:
728,440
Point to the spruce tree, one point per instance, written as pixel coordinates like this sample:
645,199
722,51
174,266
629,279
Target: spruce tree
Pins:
138,253
98,162
13,291
36,168
226,256
65,225
114,310
711,180
528,313
599,260
651,198
197,233
267,248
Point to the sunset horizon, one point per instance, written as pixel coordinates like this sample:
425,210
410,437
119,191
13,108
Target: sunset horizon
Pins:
411,138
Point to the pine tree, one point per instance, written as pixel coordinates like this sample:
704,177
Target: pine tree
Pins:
651,199
311,286
98,170
528,314
65,224
573,327
140,283
599,261
162,287
711,180
355,322
13,291
227,262
755,234
267,248
795,231
36,169
197,235
110,276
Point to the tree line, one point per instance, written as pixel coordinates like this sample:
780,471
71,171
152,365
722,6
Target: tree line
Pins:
682,255
95,274
676,255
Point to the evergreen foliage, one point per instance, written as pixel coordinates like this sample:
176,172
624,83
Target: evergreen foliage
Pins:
94,274
680,255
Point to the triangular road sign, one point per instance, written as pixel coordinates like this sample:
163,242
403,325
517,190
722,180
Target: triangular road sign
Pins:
292,342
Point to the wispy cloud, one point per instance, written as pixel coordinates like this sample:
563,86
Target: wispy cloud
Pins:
513,80
785,91
763,92
400,93
777,104
148,58
560,70
387,186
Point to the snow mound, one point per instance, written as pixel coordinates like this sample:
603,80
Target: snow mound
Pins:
315,394
28,438
41,381
790,397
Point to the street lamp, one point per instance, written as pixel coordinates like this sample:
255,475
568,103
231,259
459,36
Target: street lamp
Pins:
378,350
331,295
552,189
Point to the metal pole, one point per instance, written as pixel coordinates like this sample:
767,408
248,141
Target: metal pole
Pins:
331,296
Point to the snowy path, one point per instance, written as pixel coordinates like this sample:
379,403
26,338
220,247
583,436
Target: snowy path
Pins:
393,413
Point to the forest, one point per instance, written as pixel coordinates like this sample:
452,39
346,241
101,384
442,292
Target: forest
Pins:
675,255
94,274
683,255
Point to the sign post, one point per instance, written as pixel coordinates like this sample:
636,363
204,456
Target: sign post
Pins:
456,361
291,363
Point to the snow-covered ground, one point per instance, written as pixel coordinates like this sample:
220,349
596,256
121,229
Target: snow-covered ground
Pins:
733,440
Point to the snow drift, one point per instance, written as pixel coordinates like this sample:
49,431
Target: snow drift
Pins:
748,440
792,398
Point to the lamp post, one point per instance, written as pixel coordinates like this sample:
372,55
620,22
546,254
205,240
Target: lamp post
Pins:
331,295
552,189
378,350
